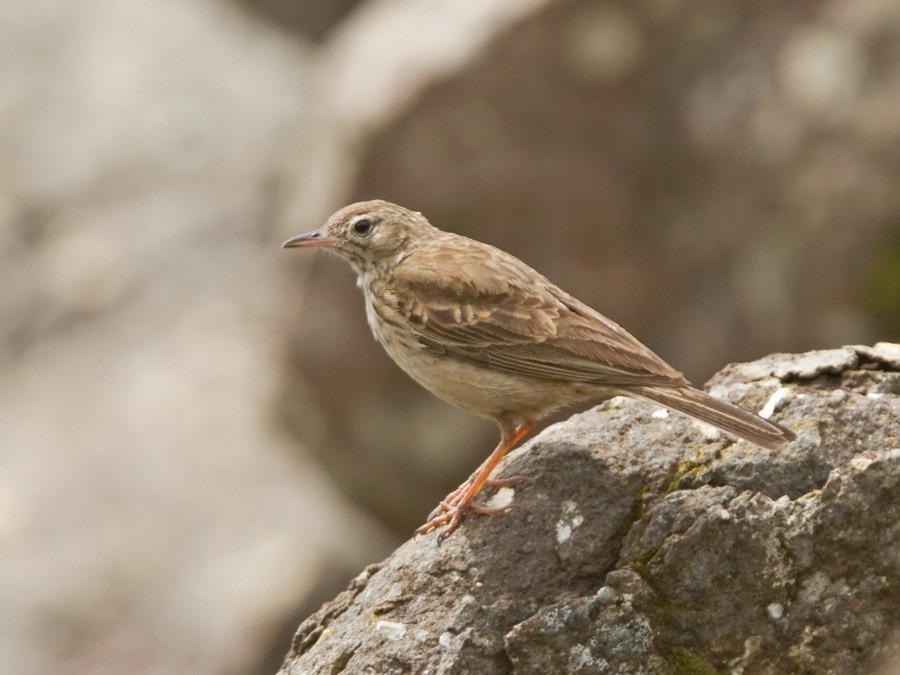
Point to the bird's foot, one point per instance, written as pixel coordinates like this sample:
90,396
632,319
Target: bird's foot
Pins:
458,503
452,514
452,500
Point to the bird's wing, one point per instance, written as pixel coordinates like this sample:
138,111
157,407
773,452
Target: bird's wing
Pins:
497,312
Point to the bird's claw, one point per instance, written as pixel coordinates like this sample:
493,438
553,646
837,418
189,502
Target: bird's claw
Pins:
452,500
453,508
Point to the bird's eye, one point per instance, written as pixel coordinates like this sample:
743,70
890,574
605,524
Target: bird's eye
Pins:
362,226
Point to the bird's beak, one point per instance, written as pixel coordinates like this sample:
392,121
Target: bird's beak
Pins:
314,239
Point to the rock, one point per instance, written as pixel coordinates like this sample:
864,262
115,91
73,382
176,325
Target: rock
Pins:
646,545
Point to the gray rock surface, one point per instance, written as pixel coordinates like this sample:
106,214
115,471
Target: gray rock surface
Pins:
649,544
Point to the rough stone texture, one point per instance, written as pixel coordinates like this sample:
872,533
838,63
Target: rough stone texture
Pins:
649,544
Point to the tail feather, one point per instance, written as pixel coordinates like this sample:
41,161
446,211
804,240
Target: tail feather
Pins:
721,414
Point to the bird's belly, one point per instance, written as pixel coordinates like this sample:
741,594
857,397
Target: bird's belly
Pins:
483,391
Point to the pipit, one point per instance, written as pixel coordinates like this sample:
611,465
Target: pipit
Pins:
481,329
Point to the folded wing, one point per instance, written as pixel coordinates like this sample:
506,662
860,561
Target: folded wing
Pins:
500,313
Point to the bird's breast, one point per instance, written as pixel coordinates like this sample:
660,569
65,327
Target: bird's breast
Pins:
388,324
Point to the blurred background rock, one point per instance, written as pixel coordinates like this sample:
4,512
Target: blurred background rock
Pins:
199,439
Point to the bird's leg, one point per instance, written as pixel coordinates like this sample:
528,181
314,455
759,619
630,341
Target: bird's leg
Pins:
452,509
452,499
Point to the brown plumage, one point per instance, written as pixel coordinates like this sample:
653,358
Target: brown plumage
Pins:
483,330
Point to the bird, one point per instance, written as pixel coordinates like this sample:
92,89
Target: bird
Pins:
484,331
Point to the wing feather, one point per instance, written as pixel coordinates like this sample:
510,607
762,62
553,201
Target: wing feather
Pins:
496,311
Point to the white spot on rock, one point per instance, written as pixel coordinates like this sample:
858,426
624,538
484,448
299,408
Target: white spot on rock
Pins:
568,522
502,498
660,413
708,431
556,619
445,639
860,463
391,630
607,595
775,610
618,401
780,394
579,657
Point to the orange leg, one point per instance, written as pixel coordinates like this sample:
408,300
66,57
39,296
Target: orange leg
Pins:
457,503
455,497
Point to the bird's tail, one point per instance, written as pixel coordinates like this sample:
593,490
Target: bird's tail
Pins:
720,414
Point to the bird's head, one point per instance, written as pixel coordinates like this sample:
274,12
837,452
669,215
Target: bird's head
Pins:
367,234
